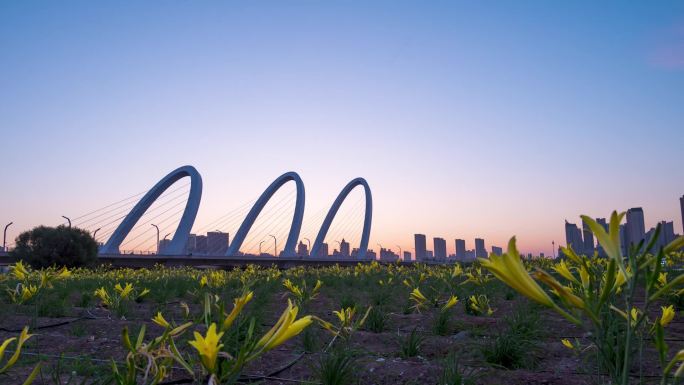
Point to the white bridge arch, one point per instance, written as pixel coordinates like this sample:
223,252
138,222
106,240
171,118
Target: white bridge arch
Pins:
180,237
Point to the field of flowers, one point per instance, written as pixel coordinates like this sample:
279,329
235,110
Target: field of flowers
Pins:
501,320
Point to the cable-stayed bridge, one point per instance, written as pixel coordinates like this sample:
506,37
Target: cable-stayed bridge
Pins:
157,226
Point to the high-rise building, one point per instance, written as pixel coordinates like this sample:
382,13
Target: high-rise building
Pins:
344,248
624,239
681,204
162,245
323,251
460,250
191,244
604,224
636,229
201,244
421,247
480,250
302,249
573,237
440,248
429,254
588,247
407,256
497,250
217,242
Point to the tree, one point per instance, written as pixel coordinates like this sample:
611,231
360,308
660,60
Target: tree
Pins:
55,246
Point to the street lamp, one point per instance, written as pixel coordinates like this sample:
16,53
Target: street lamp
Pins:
400,256
308,241
157,227
95,232
4,237
275,244
260,247
553,249
68,220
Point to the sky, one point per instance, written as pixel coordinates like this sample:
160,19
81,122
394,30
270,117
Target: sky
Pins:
468,119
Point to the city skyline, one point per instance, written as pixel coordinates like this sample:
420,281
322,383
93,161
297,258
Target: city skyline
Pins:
468,120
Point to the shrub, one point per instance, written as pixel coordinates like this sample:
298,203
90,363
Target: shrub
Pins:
55,246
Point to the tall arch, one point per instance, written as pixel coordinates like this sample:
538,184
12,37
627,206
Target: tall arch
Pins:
180,237
296,226
365,235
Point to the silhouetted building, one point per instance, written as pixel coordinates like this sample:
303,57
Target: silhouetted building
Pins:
573,237
588,247
460,250
323,251
497,250
191,244
681,204
480,250
421,246
344,248
162,245
407,256
429,254
440,248
636,229
599,248
217,243
201,244
302,249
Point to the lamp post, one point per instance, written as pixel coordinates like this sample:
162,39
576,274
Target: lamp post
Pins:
4,237
260,247
95,232
68,220
400,256
157,227
275,244
553,249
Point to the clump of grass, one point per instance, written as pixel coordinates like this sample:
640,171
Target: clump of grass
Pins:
441,325
516,347
347,302
454,374
410,344
377,320
336,368
309,340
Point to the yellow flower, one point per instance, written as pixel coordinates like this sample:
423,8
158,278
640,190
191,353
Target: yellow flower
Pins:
662,279
27,292
203,281
667,316
208,347
567,343
238,304
318,286
510,269
287,327
23,337
125,291
417,296
159,320
19,271
562,269
450,303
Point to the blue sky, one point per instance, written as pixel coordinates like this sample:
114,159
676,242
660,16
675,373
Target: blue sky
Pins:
467,119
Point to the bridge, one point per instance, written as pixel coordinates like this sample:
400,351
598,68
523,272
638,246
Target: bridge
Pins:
112,226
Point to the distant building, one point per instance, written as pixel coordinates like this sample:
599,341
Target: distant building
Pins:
636,229
460,250
344,248
429,255
388,255
407,256
162,246
440,248
217,243
480,250
323,251
588,247
681,205
599,248
191,244
573,237
302,249
497,250
421,246
201,244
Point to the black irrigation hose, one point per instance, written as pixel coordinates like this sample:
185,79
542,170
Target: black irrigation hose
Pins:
47,326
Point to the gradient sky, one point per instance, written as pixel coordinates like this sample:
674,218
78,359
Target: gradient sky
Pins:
467,119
